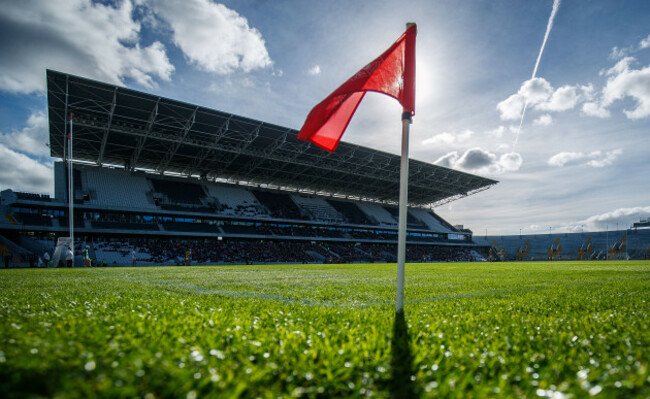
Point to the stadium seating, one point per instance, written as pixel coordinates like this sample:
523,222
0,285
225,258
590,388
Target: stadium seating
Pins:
636,243
351,212
33,197
192,213
428,218
236,201
34,219
116,188
279,204
378,213
411,222
178,190
318,208
118,253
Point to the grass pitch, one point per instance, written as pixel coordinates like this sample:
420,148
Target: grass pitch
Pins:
561,329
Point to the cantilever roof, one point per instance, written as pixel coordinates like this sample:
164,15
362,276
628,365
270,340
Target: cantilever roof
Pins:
119,126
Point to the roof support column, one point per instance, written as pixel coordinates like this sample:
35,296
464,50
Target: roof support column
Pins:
102,148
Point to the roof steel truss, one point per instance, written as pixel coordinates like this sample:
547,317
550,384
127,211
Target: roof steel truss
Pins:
119,126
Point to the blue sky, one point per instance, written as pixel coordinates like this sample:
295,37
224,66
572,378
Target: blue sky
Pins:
583,154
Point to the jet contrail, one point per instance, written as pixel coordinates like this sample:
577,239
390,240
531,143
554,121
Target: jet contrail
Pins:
556,5
549,25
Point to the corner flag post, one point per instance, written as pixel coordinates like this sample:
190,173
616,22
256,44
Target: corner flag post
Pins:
70,187
403,200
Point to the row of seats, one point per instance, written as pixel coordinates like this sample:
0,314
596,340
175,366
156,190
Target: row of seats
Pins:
119,188
379,213
318,208
571,243
432,222
172,251
116,188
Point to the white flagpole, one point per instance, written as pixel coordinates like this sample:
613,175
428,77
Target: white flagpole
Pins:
71,190
403,200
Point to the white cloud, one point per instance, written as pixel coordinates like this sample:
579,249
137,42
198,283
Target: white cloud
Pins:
31,139
536,90
446,138
539,93
595,109
478,160
624,217
596,159
623,81
564,158
315,70
618,53
600,160
511,107
510,162
564,98
214,37
531,92
543,120
645,43
21,173
448,160
620,67
627,82
587,92
438,139
80,37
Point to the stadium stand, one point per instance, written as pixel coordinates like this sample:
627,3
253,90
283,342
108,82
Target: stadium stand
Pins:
177,191
33,197
115,188
411,221
318,208
350,212
636,240
279,204
431,220
378,213
236,201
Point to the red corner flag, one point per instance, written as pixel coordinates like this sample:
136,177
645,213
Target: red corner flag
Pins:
392,73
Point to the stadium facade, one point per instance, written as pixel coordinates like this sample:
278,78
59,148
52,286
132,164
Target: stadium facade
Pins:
165,177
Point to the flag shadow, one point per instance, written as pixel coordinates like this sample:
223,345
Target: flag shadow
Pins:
401,385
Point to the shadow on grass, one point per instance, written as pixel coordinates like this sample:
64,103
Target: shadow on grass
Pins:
401,385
